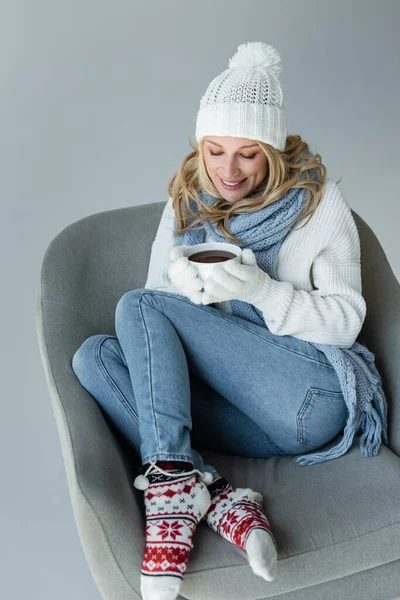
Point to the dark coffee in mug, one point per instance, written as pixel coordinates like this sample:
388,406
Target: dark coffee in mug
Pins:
211,256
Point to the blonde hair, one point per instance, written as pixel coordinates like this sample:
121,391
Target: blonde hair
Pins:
283,174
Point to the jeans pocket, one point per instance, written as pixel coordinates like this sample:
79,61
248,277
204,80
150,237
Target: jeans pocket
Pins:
322,415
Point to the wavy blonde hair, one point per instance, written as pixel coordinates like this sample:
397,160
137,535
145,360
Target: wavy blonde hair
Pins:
283,174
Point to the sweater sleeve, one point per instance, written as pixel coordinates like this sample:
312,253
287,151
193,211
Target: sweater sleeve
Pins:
334,311
157,276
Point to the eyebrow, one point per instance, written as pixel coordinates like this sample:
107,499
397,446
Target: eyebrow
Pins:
219,145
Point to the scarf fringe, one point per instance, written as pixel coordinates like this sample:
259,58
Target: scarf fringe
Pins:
370,441
335,452
374,426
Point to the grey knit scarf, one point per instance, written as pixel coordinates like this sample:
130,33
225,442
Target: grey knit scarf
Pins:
264,231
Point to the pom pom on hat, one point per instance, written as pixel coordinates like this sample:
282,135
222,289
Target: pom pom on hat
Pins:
257,55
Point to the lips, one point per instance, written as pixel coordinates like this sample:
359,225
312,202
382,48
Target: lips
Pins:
231,187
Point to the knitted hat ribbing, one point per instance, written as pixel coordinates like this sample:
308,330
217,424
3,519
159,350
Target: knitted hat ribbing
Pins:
246,99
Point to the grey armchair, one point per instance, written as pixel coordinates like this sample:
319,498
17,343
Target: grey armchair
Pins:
337,524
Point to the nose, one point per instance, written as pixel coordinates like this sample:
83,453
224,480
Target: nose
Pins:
230,169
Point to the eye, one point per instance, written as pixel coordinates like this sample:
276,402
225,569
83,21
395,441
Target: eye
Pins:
242,155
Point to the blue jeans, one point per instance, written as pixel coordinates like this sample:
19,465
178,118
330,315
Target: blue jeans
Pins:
180,374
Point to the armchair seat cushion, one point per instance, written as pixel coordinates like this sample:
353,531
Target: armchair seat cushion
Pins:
329,520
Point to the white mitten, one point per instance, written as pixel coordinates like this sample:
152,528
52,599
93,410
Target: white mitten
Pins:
184,275
236,281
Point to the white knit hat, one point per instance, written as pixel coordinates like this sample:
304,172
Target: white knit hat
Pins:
245,100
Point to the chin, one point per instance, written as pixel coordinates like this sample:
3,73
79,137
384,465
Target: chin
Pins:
230,197
233,200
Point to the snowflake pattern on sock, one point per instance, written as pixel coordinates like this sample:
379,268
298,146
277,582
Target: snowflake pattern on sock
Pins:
234,514
174,507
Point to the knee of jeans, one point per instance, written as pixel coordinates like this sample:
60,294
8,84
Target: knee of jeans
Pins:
125,301
85,356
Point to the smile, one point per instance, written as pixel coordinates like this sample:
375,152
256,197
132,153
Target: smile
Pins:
231,185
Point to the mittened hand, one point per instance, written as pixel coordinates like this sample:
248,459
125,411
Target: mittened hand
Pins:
184,275
235,281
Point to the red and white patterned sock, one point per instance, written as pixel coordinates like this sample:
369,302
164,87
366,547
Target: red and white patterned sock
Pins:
237,516
176,498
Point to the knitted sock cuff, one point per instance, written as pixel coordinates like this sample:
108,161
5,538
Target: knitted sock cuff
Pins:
217,486
167,465
172,466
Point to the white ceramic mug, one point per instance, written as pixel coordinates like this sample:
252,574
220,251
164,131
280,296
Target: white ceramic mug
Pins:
205,269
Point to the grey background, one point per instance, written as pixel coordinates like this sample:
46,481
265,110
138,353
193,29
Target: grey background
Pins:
98,100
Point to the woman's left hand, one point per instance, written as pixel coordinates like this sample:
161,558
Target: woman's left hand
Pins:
235,281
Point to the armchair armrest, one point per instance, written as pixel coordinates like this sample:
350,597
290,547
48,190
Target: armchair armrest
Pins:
107,508
381,329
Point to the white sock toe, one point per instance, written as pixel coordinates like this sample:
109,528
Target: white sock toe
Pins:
262,554
163,587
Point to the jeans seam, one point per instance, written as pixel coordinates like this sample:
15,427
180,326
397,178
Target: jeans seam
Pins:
274,446
149,375
300,417
221,316
111,381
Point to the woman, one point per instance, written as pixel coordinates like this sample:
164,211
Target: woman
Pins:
259,354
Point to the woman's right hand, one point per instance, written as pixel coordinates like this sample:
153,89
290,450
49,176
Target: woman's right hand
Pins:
184,275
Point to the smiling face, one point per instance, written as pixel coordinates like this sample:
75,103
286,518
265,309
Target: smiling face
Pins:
236,161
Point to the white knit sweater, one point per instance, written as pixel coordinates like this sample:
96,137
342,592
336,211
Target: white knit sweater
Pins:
317,295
